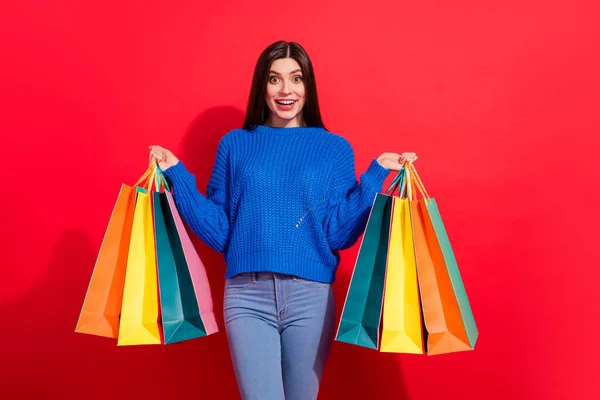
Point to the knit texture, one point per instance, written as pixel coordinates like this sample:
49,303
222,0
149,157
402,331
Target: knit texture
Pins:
280,200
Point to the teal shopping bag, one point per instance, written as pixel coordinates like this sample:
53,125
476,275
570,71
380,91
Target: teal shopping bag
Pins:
181,318
361,315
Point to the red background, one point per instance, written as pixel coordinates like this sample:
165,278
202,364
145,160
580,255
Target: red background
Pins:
500,102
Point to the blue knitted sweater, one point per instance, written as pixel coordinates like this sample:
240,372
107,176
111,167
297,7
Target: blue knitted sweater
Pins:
280,200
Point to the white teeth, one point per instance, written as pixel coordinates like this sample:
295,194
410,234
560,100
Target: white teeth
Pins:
286,102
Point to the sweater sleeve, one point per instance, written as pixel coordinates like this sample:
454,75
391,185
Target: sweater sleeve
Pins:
207,216
351,202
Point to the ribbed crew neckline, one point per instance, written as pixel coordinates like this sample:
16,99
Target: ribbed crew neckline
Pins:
294,130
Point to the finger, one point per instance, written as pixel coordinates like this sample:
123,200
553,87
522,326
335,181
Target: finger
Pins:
153,155
158,156
157,149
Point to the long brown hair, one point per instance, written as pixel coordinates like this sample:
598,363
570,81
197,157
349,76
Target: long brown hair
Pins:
257,112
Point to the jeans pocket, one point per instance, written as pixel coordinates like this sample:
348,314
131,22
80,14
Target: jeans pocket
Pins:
238,283
310,283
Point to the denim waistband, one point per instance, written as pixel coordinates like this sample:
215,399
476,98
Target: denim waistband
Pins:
255,276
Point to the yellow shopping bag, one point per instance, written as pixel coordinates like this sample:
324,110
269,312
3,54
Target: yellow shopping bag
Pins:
139,313
402,325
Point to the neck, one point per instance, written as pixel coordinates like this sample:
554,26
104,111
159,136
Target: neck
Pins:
276,122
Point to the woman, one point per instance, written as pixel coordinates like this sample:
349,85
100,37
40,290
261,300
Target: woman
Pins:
282,201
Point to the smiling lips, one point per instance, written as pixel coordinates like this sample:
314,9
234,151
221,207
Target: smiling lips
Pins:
285,105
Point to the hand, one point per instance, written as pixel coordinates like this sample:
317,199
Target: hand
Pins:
395,161
165,158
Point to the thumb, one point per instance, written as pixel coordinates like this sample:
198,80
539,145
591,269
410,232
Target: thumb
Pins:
164,165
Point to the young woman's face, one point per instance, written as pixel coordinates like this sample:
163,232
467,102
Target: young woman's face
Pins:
285,95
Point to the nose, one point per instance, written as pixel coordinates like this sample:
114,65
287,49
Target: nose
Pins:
285,87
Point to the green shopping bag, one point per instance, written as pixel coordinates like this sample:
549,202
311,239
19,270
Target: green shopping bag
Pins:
181,318
361,315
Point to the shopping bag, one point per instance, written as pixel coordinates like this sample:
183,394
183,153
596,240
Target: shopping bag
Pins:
179,308
196,270
361,314
446,309
401,330
139,314
102,303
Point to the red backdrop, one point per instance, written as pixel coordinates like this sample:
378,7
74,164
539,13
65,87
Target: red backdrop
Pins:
498,100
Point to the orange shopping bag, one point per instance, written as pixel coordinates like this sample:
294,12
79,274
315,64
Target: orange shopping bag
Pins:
446,309
102,304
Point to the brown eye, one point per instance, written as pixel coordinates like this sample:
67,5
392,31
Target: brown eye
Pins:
297,79
273,79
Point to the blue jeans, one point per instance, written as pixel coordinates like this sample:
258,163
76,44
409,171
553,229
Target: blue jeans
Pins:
280,329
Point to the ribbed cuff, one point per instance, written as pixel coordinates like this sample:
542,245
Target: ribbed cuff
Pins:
375,175
177,174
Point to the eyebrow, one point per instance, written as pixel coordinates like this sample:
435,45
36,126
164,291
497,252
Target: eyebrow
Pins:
277,73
